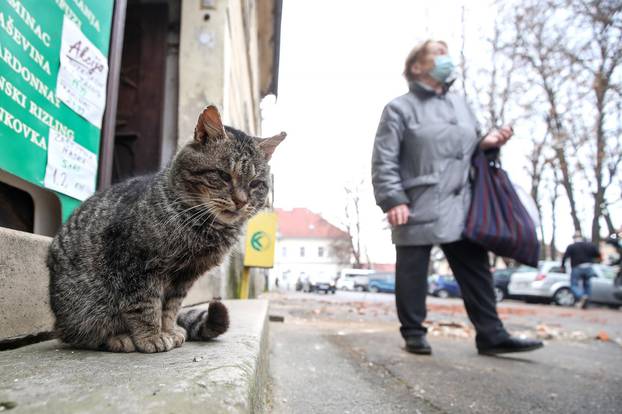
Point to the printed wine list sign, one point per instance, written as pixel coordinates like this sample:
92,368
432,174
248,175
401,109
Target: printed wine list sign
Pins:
81,83
71,168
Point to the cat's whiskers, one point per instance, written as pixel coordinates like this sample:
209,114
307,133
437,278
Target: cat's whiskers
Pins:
189,253
204,208
178,214
168,204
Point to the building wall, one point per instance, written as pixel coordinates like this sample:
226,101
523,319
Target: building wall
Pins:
217,61
291,264
241,89
218,64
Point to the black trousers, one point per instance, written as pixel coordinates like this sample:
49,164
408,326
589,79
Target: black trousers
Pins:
469,263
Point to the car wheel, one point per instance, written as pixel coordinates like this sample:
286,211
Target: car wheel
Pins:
359,288
374,289
443,294
564,297
499,295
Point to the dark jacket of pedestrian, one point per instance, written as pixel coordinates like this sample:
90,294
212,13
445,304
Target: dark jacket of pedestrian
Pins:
581,252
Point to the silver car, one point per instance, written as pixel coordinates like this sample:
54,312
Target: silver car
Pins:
549,282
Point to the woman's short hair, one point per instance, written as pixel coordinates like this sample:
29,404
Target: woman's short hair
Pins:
416,54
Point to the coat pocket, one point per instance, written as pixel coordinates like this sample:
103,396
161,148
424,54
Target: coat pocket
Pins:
423,193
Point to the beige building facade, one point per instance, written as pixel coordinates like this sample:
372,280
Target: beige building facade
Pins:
168,60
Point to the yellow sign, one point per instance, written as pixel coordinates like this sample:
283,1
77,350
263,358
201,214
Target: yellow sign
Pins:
260,238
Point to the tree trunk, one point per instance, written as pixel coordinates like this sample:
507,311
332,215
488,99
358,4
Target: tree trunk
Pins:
599,195
553,243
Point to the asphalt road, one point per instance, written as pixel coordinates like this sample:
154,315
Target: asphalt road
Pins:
343,354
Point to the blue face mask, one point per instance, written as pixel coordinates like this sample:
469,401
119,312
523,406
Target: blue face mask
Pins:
443,68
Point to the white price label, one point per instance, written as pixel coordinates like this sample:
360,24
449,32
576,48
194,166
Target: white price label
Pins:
71,168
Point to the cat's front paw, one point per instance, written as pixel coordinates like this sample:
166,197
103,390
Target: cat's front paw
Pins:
179,336
161,342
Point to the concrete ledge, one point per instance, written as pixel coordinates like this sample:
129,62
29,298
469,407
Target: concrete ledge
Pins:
24,297
227,375
24,280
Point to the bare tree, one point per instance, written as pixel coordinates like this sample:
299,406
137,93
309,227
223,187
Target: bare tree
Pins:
341,249
596,58
538,48
559,63
352,222
553,196
463,66
536,164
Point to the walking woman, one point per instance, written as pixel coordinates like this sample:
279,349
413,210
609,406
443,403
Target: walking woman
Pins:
420,173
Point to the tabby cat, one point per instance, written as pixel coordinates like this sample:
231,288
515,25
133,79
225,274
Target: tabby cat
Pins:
124,261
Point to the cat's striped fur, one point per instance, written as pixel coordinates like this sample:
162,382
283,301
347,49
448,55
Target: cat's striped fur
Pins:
123,262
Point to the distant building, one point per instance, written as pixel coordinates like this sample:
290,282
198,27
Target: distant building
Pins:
382,267
307,246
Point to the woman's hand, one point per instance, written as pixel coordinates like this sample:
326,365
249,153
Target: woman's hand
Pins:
497,137
398,215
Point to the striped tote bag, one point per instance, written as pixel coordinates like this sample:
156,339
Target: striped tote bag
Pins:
497,220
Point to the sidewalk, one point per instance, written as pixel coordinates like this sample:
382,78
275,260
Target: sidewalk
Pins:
336,354
227,375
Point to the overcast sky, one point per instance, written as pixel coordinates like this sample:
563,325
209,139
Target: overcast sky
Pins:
340,63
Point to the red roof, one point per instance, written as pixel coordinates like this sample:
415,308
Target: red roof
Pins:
382,267
303,223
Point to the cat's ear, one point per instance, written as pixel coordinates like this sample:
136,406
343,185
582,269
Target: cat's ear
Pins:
209,126
268,145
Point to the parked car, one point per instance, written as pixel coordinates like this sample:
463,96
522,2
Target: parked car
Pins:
443,286
320,283
382,282
502,279
550,283
354,279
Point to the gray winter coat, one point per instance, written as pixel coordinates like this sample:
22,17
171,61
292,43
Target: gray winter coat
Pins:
422,157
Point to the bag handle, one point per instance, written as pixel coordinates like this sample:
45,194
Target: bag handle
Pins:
493,155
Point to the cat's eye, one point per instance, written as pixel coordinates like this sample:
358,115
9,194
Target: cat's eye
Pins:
214,173
224,176
255,183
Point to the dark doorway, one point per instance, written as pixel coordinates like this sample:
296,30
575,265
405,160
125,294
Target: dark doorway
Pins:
17,209
138,133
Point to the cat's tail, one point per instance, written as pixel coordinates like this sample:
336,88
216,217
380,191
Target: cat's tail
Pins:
203,324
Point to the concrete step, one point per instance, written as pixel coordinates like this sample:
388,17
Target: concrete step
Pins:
24,279
227,375
24,294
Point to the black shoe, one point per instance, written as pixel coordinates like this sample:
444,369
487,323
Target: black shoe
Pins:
581,302
418,345
512,344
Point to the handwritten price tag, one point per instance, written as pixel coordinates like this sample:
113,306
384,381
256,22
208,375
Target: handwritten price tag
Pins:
82,76
71,168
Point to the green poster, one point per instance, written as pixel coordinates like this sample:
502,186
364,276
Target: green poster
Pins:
53,73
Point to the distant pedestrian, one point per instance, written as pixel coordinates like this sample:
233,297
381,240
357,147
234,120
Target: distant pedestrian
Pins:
582,255
420,172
